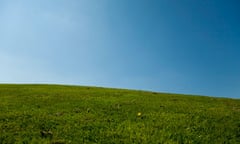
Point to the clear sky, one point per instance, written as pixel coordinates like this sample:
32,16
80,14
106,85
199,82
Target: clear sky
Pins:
177,46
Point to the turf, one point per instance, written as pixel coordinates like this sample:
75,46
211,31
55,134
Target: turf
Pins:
61,114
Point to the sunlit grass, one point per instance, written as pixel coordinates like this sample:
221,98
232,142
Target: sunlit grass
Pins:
70,114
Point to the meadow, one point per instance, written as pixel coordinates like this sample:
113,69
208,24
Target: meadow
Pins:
59,114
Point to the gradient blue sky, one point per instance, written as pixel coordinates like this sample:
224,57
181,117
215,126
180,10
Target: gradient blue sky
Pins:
177,46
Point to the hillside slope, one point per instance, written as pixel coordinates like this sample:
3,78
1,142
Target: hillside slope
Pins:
74,114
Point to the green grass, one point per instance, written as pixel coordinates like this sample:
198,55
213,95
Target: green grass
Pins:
70,114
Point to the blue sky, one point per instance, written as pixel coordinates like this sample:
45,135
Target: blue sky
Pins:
175,46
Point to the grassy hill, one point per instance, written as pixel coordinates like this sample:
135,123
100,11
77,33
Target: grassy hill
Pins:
71,114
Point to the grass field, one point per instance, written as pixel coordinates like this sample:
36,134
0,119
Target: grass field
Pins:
71,114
